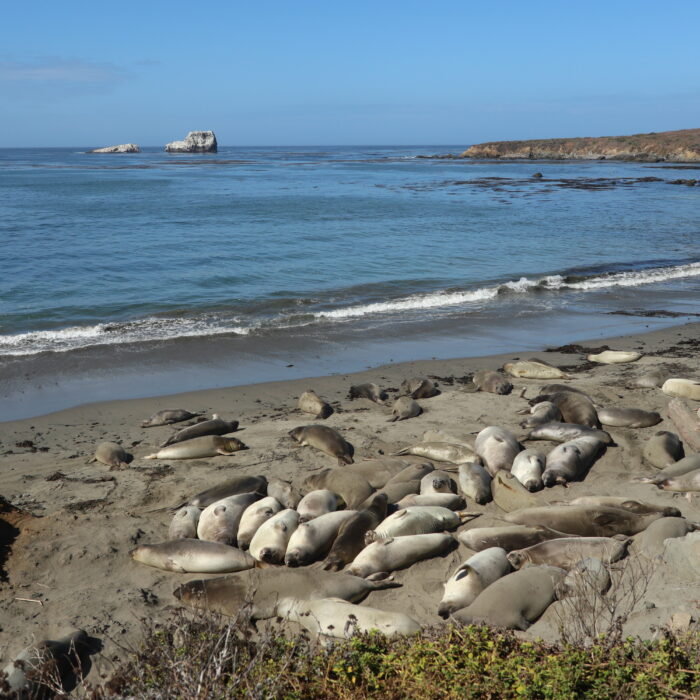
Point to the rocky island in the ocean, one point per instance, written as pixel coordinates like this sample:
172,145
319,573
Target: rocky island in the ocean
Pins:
121,148
681,146
195,142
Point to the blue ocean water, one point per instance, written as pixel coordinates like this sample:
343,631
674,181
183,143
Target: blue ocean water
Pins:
122,250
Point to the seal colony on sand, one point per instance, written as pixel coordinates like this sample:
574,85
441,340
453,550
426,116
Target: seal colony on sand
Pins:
281,531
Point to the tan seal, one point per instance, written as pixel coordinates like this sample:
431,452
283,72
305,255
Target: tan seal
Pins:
199,448
111,454
168,416
324,439
193,556
404,408
311,402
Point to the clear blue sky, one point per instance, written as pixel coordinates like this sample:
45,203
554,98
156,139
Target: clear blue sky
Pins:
299,72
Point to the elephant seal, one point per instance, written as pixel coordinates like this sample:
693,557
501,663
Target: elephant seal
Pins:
324,439
258,591
311,402
215,426
313,539
219,521
556,388
686,483
199,448
317,503
339,619
475,482
351,535
663,449
404,408
565,552
651,379
533,369
571,460
284,492
625,503
380,470
396,491
351,487
419,388
441,452
410,473
437,482
193,557
682,388
563,432
681,467
507,537
652,541
269,543
527,468
614,357
112,455
585,521
35,671
368,391
419,520
452,501
168,416
470,579
236,485
253,517
497,447
509,493
393,553
489,381
590,575
541,414
514,601
628,417
184,523
575,408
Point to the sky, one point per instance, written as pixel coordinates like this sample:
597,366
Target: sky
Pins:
306,72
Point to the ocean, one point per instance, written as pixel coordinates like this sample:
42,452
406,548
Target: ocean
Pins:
129,275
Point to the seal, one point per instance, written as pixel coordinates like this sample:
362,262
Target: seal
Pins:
257,592
393,553
269,543
681,467
339,619
411,472
311,402
556,388
184,523
471,578
404,408
253,517
420,520
452,501
441,452
590,575
475,482
497,447
112,455
686,483
509,494
324,439
442,436
514,601
437,482
219,521
527,468
563,432
565,552
489,381
200,447
351,535
351,487
397,491
541,414
652,379
652,541
312,540
284,492
508,537
533,369
575,408
571,460
316,503
419,388
682,388
614,357
640,507
368,391
193,557
628,417
231,487
585,521
168,416
379,470
215,426
663,449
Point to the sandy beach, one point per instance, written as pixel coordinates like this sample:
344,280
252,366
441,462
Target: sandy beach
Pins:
66,558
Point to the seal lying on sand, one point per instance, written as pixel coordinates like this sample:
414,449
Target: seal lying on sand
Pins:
527,468
199,448
253,517
368,391
489,381
193,556
184,523
475,482
663,449
215,426
112,455
313,539
540,414
441,452
231,487
311,402
533,369
614,357
575,407
317,503
628,417
419,388
571,460
565,552
563,432
168,416
351,487
404,408
497,447
269,543
326,440
682,388
508,537
420,520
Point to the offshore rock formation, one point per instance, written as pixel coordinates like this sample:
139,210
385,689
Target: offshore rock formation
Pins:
121,148
195,142
674,146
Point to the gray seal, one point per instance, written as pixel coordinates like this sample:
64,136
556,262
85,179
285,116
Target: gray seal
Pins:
324,439
199,448
168,416
317,503
628,417
368,391
475,482
311,402
404,408
215,426
112,455
663,449
193,556
508,537
571,460
565,552
419,388
575,407
497,447
184,523
351,487
231,487
489,381
563,432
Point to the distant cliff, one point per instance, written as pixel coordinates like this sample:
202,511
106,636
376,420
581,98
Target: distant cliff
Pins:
676,146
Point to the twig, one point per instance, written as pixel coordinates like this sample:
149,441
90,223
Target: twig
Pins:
30,600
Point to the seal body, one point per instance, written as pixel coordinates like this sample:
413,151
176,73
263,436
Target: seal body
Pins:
168,416
441,452
533,369
663,449
652,541
565,552
542,413
111,454
527,468
351,487
253,517
236,485
682,388
219,521
571,460
509,494
491,382
563,432
437,482
193,556
614,357
215,426
575,407
317,503
497,447
686,483
475,482
368,391
419,388
420,520
324,439
507,537
630,504
199,448
586,576
311,402
184,523
404,408
313,539
628,417
269,543
380,470
284,492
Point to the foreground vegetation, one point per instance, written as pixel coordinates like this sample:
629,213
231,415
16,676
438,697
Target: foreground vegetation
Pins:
204,659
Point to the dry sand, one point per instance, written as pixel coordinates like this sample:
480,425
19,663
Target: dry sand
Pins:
71,555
